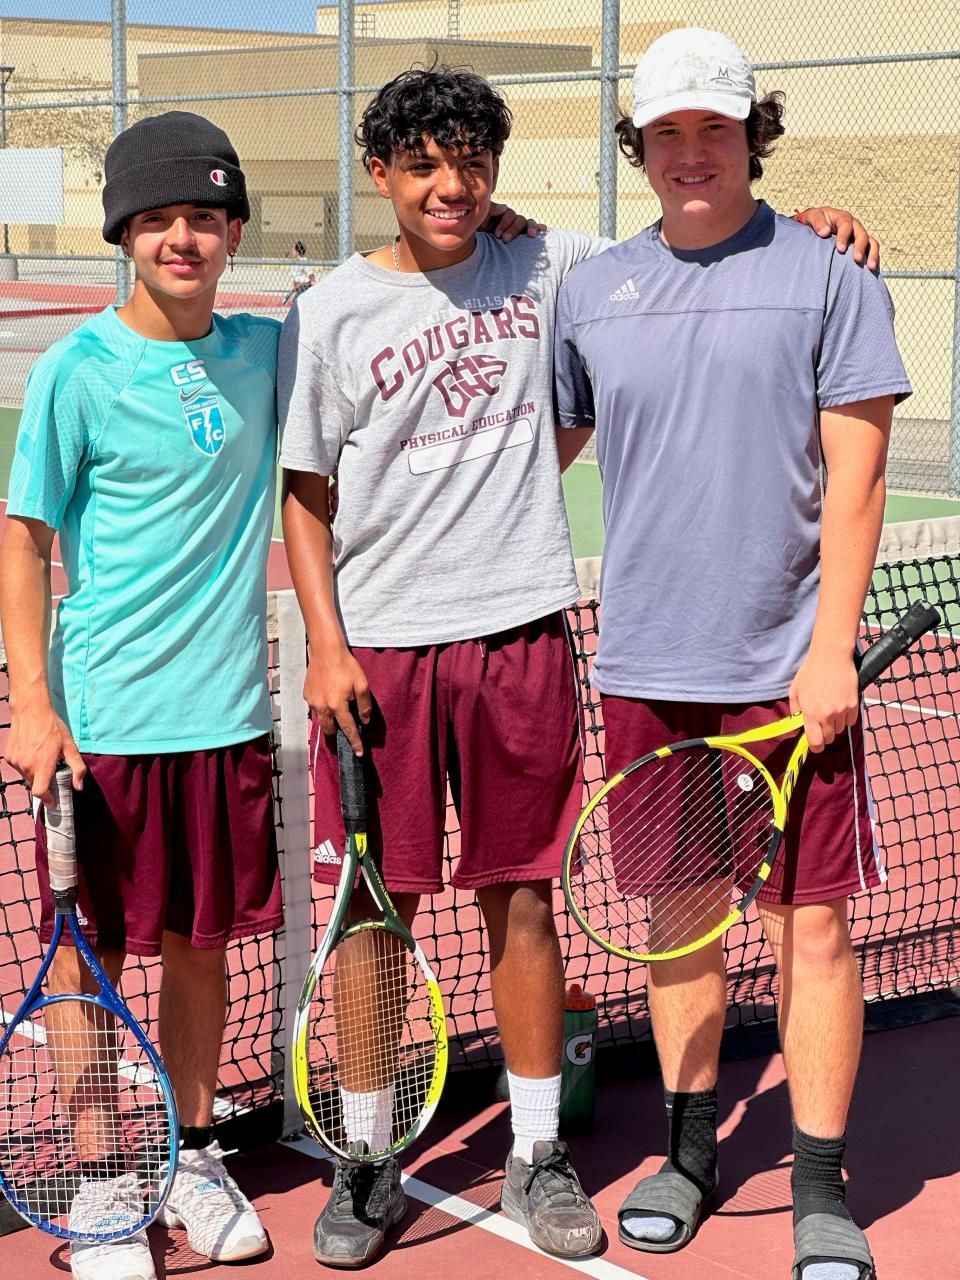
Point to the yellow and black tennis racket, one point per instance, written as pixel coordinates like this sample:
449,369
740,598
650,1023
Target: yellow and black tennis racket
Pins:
673,849
370,1036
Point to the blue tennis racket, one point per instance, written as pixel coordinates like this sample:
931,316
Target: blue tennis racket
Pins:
88,1126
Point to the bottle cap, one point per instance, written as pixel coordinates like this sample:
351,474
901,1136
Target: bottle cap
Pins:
577,998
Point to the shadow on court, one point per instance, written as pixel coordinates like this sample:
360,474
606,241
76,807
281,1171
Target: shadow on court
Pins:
903,1167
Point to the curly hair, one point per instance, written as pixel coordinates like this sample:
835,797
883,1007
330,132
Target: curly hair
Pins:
764,126
452,105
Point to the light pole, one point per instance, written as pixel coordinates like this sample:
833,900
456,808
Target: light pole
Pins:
5,74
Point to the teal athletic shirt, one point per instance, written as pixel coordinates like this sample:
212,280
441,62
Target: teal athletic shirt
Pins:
156,462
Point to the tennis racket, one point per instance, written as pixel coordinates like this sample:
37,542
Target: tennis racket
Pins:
672,850
88,1127
370,1036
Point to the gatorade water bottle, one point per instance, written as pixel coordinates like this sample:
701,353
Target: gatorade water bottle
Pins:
577,1101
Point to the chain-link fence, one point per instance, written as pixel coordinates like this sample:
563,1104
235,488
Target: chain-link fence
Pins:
873,124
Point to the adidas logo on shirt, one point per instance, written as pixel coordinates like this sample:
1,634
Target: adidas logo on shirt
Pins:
326,853
626,293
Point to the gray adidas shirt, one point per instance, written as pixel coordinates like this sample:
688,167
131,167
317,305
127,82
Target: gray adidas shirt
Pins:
431,396
703,372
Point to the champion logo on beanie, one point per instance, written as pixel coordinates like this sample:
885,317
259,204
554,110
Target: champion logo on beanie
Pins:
173,158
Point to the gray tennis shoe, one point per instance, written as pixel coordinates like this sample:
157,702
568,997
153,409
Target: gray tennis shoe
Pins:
546,1197
365,1202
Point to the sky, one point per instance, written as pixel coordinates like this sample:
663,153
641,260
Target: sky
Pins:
263,15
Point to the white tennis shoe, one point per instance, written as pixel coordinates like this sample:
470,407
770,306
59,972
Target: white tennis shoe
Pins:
221,1222
109,1204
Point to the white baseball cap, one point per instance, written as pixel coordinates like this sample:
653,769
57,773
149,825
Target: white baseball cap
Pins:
693,70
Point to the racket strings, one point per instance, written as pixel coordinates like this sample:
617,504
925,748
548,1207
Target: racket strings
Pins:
80,1103
697,804
373,1049
698,800
661,857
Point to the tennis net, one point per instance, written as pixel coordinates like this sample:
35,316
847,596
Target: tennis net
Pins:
907,932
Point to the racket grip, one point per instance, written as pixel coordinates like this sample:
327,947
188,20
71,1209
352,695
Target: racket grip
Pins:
353,790
61,838
918,619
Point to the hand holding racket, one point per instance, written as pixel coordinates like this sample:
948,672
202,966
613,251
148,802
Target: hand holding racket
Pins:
370,1036
88,1127
673,849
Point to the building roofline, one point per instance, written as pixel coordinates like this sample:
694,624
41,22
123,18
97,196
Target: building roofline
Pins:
368,41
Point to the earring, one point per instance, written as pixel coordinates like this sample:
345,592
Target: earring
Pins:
231,258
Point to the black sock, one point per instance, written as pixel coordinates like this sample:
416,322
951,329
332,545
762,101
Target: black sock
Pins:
193,1137
692,1136
817,1179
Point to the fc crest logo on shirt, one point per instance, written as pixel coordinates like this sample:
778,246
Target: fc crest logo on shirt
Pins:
205,420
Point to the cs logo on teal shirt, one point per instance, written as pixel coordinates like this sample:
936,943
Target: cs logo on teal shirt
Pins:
205,420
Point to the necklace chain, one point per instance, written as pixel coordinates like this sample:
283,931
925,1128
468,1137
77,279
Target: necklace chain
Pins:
396,256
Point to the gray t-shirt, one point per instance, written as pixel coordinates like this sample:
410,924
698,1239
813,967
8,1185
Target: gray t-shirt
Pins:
431,396
703,371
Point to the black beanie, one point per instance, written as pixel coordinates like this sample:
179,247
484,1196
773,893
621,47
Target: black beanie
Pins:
174,158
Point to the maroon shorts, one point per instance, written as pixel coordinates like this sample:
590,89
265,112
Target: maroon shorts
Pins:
182,842
829,849
499,719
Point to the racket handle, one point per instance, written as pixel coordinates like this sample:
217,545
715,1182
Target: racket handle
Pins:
919,618
61,838
353,790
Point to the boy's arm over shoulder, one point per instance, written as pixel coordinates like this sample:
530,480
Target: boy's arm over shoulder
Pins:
858,358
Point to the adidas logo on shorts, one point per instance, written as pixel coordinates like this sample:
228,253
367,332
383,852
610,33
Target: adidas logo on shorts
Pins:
327,853
626,293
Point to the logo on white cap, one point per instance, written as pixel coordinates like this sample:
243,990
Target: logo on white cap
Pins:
219,177
693,70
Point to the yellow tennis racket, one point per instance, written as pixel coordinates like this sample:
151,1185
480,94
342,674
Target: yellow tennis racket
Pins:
370,1036
673,849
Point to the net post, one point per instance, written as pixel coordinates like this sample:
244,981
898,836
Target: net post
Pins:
953,458
609,110
296,947
118,60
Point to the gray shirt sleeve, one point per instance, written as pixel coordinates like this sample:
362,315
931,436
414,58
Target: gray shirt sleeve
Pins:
572,387
858,356
315,414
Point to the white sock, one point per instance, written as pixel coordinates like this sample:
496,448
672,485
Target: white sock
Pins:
368,1117
534,1112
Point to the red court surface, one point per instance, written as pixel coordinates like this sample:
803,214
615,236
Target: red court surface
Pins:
16,298
903,1171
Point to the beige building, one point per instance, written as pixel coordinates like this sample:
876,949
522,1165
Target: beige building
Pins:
289,144
881,139
69,61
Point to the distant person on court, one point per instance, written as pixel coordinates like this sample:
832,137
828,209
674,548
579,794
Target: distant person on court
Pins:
303,274
436,603
741,377
148,441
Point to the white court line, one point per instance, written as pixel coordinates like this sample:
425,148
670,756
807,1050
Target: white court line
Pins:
911,706
465,1211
